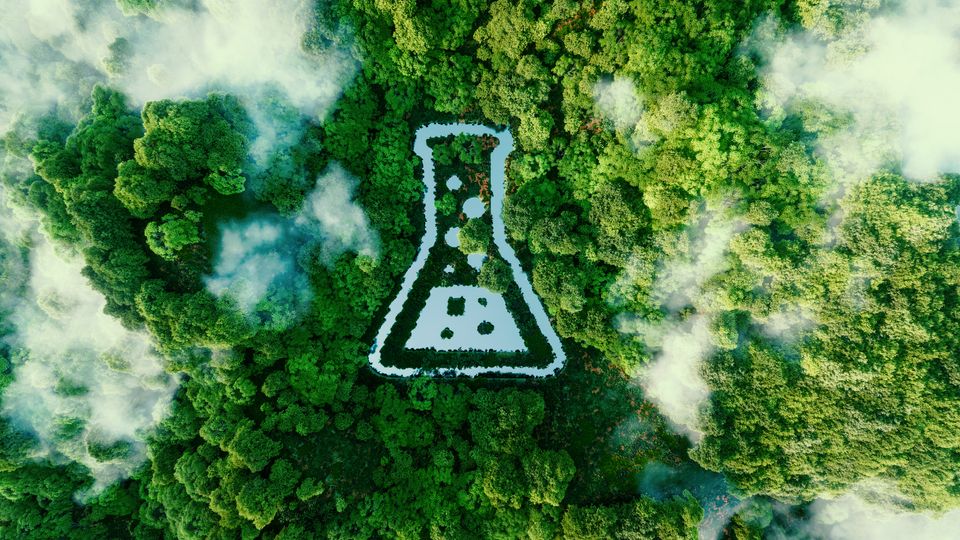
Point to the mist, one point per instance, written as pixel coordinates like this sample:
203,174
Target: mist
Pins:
330,214
682,340
788,324
269,54
619,102
890,79
661,481
852,517
672,380
258,262
89,389
700,254
36,77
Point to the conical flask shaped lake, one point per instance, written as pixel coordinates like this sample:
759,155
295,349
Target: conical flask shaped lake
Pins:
465,306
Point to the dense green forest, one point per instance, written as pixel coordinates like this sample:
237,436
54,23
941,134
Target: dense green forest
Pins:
668,206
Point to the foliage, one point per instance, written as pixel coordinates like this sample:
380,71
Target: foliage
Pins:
496,275
283,433
475,236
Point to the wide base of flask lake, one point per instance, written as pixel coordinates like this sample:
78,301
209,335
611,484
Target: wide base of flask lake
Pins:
394,351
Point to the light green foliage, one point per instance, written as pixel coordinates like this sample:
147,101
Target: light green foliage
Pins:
279,431
641,519
475,236
893,249
172,234
141,190
495,275
548,474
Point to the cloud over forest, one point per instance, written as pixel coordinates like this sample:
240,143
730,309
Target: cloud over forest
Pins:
890,77
852,517
89,389
681,342
258,260
269,54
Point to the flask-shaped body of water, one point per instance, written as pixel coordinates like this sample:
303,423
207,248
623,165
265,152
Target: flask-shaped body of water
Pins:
465,307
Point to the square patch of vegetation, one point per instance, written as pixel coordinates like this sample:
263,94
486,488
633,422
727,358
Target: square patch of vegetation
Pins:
456,306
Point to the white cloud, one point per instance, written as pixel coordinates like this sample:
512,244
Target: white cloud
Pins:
253,256
72,362
672,381
53,51
681,343
852,518
681,278
897,73
619,102
240,46
258,257
788,324
329,212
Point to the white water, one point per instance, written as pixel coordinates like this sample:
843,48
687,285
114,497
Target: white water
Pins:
498,163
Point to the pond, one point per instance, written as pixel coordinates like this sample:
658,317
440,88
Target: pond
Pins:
503,331
461,331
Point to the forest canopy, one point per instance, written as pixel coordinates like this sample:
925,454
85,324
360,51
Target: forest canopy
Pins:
741,218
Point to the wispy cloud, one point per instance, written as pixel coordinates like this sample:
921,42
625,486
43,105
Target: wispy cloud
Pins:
82,381
890,79
257,261
53,51
681,342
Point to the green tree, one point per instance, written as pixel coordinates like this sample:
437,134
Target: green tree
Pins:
173,234
495,275
475,236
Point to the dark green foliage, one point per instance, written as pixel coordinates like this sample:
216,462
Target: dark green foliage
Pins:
504,421
81,170
463,149
195,139
103,451
456,306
